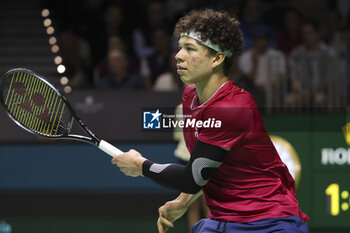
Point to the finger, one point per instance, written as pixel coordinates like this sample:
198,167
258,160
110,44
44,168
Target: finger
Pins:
114,160
161,210
165,221
161,227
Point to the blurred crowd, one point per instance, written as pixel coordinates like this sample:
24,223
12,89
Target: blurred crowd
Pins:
292,59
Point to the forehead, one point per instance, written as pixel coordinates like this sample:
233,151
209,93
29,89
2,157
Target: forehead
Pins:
308,27
184,40
115,54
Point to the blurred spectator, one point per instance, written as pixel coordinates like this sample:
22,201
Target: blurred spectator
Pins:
158,62
87,30
89,24
118,74
76,57
115,42
290,36
263,69
70,22
143,35
175,7
169,81
274,12
250,19
338,39
113,24
314,73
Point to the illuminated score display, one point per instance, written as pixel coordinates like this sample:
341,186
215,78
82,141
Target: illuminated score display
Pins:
329,176
338,200
331,200
324,171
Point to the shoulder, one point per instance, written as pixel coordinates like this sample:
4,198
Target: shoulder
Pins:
234,96
298,51
246,55
133,81
235,104
327,49
165,82
275,53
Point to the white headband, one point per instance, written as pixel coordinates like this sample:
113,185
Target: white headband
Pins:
208,43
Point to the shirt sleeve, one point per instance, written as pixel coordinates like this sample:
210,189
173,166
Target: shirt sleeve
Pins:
281,63
245,63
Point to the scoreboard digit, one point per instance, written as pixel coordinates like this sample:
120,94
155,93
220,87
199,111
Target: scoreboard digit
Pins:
338,200
331,200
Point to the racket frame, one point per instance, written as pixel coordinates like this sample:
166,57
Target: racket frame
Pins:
93,139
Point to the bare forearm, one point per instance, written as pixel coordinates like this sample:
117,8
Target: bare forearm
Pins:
188,199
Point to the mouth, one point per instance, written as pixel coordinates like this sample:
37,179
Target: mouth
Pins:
181,69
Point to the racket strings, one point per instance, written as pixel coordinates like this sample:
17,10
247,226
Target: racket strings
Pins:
34,104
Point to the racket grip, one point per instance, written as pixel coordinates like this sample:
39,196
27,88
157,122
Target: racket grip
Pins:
109,148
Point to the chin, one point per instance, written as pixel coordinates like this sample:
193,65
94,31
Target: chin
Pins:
185,81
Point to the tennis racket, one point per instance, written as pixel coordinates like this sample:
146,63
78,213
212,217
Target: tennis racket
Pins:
38,107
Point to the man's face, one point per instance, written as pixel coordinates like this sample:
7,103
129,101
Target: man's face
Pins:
310,35
117,62
113,16
194,62
261,44
161,40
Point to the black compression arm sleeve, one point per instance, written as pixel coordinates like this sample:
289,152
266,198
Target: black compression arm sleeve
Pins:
188,178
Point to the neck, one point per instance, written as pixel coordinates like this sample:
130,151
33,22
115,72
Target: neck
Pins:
293,33
118,77
207,89
163,53
312,47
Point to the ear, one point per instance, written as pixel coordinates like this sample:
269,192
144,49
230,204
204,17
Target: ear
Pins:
218,59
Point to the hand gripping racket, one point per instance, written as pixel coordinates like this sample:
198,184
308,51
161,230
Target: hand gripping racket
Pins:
37,106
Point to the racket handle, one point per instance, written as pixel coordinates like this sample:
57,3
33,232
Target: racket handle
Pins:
109,148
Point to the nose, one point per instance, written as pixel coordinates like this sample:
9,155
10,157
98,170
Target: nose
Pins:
178,56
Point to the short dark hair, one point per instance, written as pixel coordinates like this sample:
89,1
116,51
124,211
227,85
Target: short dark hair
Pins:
218,27
313,23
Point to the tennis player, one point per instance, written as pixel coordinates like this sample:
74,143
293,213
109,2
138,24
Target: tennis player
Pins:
246,185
